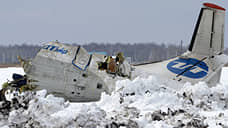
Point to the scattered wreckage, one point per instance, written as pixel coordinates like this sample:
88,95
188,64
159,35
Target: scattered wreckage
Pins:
73,73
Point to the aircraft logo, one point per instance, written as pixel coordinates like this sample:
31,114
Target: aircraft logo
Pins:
191,68
55,48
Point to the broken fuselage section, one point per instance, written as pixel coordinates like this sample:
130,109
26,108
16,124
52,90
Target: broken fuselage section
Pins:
71,72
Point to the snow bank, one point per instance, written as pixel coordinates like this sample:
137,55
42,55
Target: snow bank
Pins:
144,102
224,75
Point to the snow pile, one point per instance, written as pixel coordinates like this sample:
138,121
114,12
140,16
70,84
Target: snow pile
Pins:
224,75
144,102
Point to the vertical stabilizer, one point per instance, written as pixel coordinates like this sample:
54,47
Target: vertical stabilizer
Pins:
208,37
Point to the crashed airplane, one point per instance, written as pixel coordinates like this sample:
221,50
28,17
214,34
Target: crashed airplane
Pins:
71,72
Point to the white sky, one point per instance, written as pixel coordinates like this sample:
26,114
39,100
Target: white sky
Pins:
85,21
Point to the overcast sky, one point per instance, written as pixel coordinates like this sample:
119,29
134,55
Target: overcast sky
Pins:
85,21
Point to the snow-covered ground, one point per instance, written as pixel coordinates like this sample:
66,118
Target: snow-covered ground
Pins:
224,77
6,73
143,102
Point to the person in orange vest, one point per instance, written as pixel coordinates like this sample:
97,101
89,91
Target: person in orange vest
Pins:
111,65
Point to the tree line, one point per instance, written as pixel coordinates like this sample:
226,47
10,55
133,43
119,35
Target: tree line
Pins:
138,52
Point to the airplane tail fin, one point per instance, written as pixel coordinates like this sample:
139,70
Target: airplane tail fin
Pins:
208,37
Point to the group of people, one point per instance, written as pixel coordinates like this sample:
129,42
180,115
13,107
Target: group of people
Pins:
113,65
